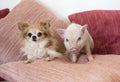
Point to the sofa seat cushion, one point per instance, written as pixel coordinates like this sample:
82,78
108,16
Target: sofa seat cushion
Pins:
104,68
104,26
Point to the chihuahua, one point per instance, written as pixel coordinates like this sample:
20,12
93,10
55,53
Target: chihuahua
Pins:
37,41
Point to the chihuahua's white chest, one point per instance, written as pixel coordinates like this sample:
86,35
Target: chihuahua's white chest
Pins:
34,50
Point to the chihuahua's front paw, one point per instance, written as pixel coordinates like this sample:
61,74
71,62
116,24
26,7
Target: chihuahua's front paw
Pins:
28,61
48,58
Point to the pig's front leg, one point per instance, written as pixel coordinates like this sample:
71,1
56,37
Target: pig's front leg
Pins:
88,51
73,57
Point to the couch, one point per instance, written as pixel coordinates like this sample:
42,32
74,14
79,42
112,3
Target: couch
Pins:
103,25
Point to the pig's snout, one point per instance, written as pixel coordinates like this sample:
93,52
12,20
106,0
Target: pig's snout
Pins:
74,50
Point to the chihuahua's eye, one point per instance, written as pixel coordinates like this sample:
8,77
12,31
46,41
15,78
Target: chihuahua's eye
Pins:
29,34
39,34
79,38
67,40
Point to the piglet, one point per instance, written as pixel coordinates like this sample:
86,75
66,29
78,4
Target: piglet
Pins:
76,40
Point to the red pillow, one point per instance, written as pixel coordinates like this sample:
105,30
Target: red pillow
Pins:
1,79
4,12
104,26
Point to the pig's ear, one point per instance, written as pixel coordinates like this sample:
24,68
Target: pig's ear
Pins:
84,27
60,32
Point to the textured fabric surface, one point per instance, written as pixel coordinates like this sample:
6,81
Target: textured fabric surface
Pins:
4,12
104,26
105,68
27,11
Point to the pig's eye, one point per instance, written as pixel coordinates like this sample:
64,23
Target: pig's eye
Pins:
79,39
67,40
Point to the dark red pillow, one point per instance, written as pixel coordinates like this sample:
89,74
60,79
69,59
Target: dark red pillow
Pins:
1,79
104,26
4,12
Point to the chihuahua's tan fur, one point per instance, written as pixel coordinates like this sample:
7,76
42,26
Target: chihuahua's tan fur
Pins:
38,42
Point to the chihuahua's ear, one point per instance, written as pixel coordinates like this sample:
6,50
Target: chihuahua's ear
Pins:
60,32
45,24
22,26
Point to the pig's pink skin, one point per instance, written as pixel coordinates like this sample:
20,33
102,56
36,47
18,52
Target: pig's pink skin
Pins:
75,52
72,54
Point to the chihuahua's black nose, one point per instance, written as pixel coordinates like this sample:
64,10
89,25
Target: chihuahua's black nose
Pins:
34,38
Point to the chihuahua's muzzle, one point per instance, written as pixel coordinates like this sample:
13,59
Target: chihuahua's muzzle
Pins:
34,38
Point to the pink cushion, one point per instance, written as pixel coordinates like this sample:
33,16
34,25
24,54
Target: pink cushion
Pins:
104,68
4,12
26,11
104,26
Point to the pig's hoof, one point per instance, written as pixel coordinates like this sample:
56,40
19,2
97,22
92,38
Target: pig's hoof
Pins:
90,58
